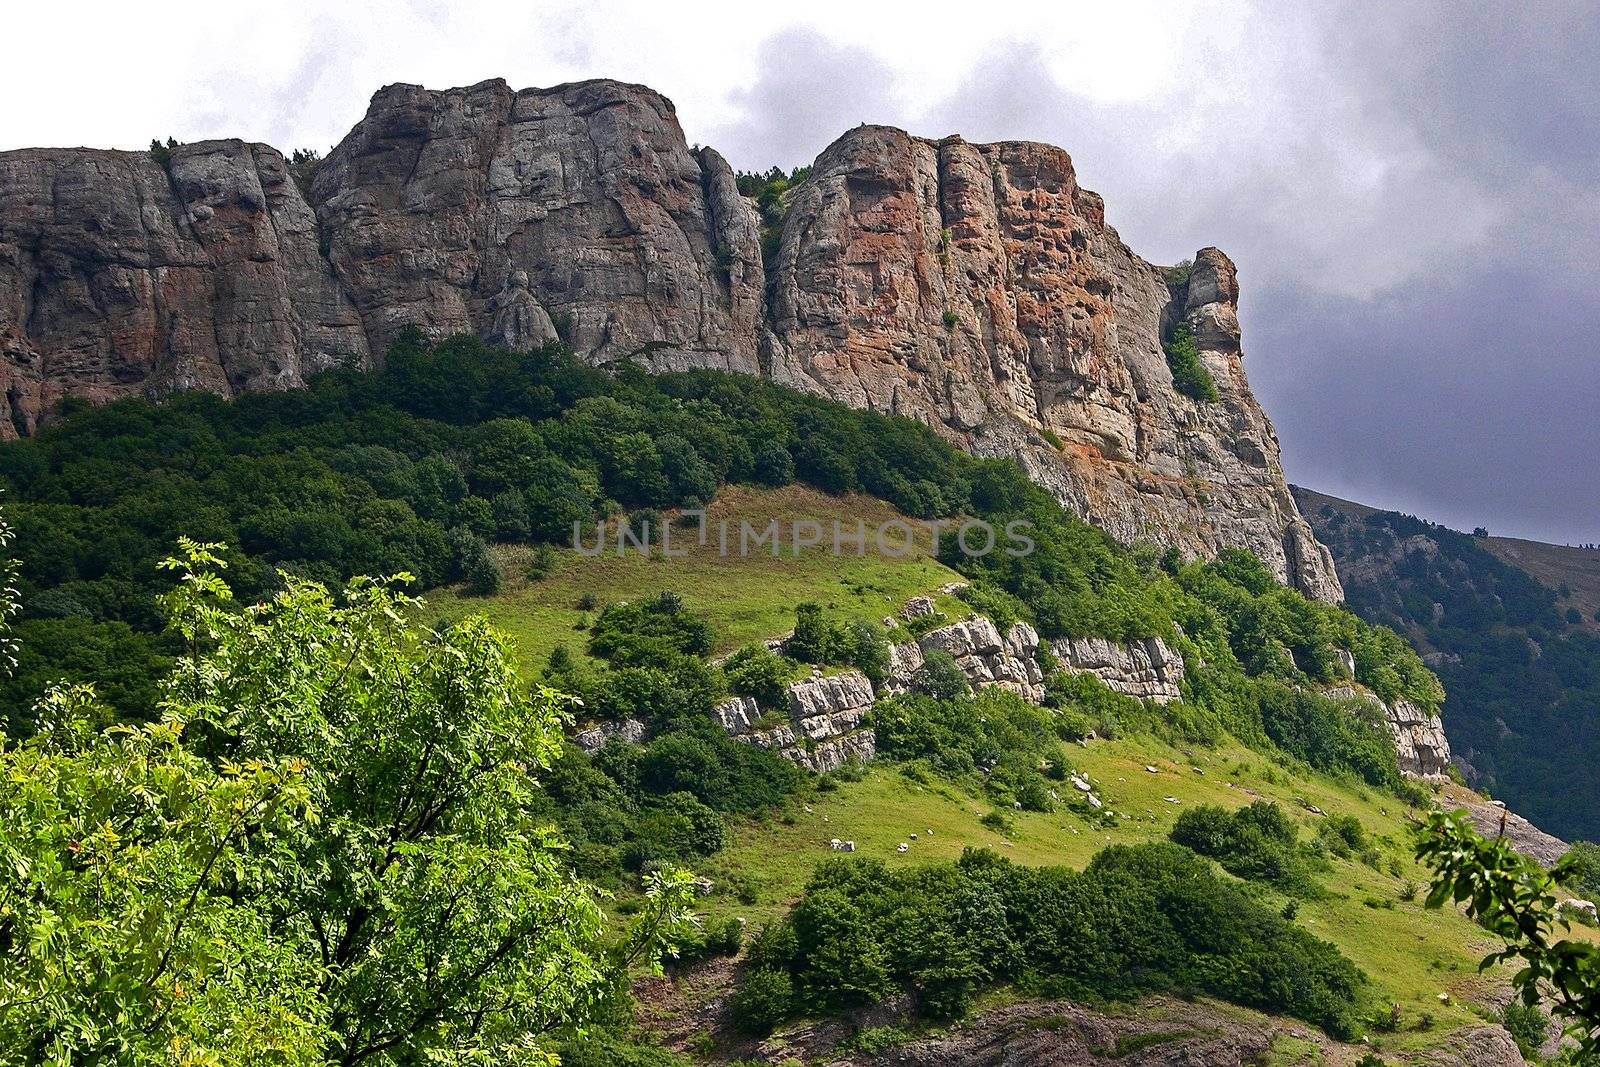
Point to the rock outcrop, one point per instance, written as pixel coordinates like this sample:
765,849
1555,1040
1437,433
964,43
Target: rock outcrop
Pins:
1146,669
975,287
594,738
1161,1032
121,275
823,728
1419,742
577,209
823,724
986,657
1493,820
978,288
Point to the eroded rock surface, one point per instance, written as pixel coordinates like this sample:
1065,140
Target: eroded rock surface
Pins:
1146,669
978,288
975,287
987,658
578,209
122,276
1419,742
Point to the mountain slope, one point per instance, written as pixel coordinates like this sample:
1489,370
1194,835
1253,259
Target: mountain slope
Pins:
976,288
1520,661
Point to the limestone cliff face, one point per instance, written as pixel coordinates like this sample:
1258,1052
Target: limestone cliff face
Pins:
974,287
576,211
120,276
979,289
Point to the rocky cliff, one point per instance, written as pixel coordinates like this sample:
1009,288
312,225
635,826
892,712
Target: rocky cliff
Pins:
975,287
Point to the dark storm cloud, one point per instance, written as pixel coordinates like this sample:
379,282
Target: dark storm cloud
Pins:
1411,196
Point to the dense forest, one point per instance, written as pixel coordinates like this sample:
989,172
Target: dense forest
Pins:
1521,673
454,445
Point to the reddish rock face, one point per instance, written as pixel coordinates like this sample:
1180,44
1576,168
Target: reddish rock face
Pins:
979,289
974,287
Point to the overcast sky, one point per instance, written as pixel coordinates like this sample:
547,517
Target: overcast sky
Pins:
1410,191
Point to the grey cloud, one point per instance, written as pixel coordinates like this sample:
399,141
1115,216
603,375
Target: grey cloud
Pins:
1410,193
808,92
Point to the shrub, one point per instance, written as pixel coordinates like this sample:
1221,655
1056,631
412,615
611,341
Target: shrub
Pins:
1189,374
764,999
1136,920
1256,842
1342,835
757,672
941,677
1527,1025
649,632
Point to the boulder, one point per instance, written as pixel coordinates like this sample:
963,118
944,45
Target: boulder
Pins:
594,738
987,658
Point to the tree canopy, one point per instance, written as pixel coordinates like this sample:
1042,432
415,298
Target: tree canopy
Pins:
326,849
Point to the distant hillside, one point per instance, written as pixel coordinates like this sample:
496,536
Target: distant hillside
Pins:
1573,572
1509,626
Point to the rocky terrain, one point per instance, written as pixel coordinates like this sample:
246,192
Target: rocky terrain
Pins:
975,287
1156,1032
824,726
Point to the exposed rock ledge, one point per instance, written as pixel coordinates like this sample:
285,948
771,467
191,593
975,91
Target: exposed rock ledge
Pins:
1162,1032
1419,742
1146,669
821,728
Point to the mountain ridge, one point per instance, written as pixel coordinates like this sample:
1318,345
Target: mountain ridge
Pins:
1518,650
974,287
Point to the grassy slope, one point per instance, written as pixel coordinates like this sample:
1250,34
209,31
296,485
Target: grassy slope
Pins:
1557,565
1411,954
746,599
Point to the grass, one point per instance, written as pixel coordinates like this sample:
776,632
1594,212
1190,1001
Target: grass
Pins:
746,598
1411,954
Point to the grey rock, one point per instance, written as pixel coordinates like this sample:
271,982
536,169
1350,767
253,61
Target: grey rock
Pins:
594,738
121,277
987,658
849,691
576,209
1420,744
736,714
1146,669
579,212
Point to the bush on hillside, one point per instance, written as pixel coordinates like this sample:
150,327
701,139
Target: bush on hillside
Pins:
1136,920
1257,842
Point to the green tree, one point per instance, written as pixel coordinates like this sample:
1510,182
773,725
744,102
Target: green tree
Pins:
327,850
1514,898
1189,374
